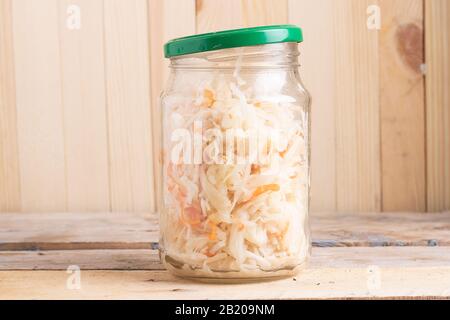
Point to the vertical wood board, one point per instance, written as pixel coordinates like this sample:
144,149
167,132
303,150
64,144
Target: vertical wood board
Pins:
437,28
128,105
318,74
9,156
40,118
84,104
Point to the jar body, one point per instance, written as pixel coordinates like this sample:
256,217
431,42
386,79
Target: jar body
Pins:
235,165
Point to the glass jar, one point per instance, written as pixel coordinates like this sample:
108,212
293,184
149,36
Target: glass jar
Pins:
236,155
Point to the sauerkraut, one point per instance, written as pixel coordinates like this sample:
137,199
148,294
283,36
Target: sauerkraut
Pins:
236,208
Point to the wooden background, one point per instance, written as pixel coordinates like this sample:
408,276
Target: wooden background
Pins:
79,115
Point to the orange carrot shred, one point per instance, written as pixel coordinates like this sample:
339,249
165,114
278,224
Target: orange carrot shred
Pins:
209,98
268,187
213,234
255,169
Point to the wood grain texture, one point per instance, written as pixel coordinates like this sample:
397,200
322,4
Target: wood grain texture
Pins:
80,119
207,19
338,272
84,106
88,259
146,259
319,79
402,104
324,282
9,155
264,12
438,104
39,231
128,105
380,229
358,170
238,14
37,60
161,15
61,231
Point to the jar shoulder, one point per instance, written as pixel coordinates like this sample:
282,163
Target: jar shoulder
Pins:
251,85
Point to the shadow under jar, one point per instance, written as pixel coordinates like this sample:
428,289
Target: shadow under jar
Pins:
235,169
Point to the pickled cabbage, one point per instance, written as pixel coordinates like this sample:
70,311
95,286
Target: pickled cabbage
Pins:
242,211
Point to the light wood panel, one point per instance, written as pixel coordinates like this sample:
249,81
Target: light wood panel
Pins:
80,119
9,156
358,185
238,14
128,105
207,19
264,12
84,107
339,66
402,102
37,61
319,79
438,103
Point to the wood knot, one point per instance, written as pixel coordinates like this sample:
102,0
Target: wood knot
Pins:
409,39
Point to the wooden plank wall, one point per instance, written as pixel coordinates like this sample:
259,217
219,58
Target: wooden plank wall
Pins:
9,155
402,105
438,104
80,120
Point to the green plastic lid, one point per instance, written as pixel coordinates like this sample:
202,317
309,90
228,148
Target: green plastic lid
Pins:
232,39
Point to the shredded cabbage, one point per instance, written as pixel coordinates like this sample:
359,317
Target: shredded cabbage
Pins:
225,216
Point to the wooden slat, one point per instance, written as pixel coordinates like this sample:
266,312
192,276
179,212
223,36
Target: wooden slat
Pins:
90,259
402,103
208,21
39,105
128,105
161,15
145,259
77,231
125,231
319,79
357,108
9,156
264,12
380,229
398,283
84,104
438,104
332,273
238,14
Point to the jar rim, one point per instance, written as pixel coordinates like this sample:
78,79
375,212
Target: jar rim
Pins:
233,39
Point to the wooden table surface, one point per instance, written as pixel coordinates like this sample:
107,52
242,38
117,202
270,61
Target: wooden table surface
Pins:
383,255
